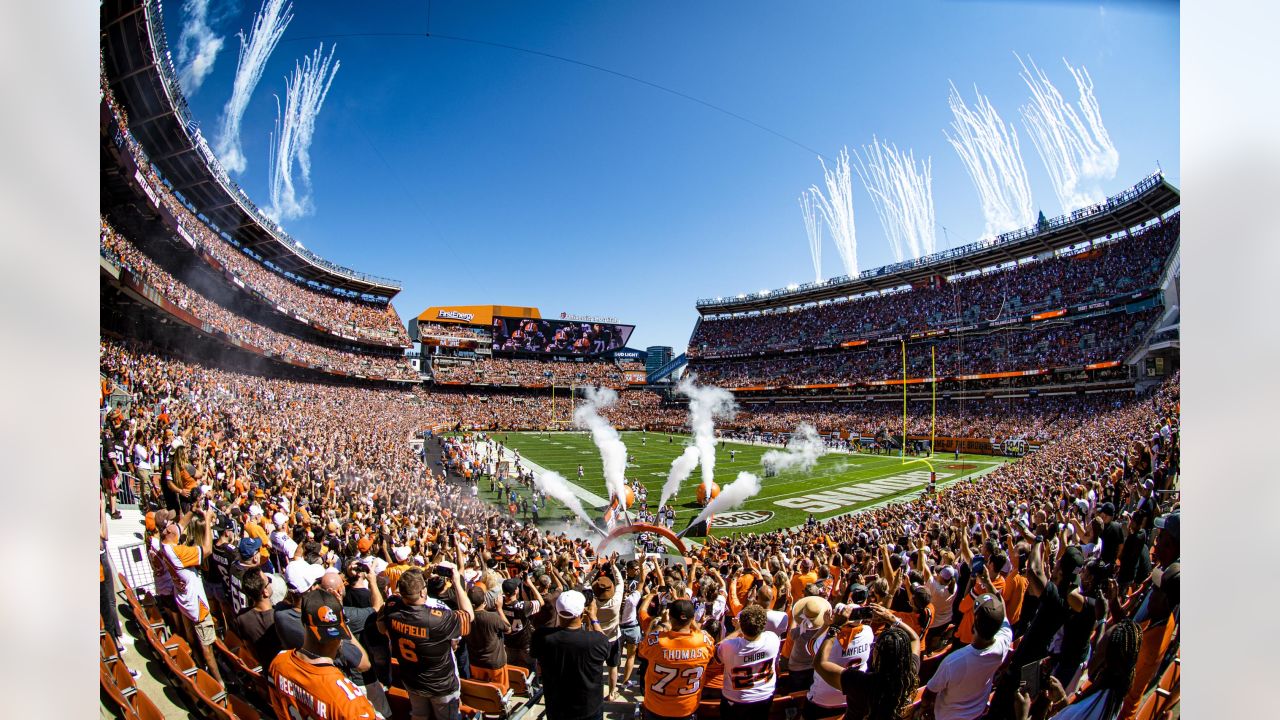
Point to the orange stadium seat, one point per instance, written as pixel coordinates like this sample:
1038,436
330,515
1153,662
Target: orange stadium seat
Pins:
486,699
116,699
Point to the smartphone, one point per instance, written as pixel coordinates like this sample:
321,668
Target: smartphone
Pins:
861,614
1032,673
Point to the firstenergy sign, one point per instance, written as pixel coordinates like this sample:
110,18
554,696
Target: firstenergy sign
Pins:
454,315
850,495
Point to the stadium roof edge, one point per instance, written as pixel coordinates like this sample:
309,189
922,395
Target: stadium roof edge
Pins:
1147,200
139,69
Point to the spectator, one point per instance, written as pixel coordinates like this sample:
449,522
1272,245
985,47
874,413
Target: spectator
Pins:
182,562
305,682
486,648
256,623
424,631
749,655
676,661
962,683
573,652
884,689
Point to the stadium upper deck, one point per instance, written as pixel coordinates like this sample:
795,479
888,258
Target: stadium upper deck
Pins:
1148,200
138,66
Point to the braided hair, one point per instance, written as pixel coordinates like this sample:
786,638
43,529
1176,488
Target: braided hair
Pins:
1118,665
892,662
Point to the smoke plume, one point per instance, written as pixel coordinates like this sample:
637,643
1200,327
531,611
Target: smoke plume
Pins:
706,403
268,26
305,92
554,485
802,451
737,492
613,453
198,46
681,468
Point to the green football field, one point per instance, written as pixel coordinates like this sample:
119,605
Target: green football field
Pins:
837,484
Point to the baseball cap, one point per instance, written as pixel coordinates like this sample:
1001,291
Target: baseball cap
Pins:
1107,508
510,586
570,604
1171,523
301,576
322,615
988,616
858,593
279,519
681,610
364,544
400,552
249,547
946,573
255,510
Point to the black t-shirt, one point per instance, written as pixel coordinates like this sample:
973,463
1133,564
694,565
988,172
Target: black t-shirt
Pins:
224,556
572,668
485,646
288,625
358,598
1135,558
858,686
258,629
1078,628
1112,539
422,641
1050,615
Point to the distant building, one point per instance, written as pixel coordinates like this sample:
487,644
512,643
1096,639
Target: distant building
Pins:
659,355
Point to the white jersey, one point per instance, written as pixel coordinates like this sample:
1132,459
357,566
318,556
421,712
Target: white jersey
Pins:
777,622
749,667
854,652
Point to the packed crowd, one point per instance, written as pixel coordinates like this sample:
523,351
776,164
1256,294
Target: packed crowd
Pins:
453,331
1111,268
532,373
124,253
298,516
512,410
369,321
1059,344
1034,420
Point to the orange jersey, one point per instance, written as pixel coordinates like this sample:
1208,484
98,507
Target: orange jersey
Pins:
965,630
314,692
677,662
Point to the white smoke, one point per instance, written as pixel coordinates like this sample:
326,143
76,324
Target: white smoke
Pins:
812,230
613,453
268,26
198,46
737,492
706,403
554,485
305,92
902,197
681,468
837,209
991,155
1078,154
802,453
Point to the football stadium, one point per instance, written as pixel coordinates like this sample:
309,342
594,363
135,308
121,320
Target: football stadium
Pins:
942,482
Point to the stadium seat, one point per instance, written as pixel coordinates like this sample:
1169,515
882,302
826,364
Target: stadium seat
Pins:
1147,710
123,679
241,709
486,698
115,698
709,709
145,708
518,679
784,703
929,664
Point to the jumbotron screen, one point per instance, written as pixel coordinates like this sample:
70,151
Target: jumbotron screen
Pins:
558,337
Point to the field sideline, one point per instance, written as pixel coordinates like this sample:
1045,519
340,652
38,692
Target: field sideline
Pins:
838,484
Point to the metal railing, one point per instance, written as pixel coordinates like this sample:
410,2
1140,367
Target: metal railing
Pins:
1009,238
160,49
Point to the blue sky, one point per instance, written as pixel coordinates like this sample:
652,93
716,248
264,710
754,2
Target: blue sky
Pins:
475,174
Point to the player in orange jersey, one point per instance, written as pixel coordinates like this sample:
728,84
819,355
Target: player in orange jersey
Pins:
677,660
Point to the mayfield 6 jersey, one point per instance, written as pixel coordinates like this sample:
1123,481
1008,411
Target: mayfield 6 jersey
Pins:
749,667
677,661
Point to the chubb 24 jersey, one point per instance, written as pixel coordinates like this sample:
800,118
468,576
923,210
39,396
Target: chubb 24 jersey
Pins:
749,667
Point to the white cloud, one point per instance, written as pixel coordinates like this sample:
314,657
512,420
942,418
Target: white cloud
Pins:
198,46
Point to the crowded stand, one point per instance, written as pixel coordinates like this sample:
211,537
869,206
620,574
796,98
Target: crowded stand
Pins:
1100,339
531,373
1034,420
531,410
312,494
123,253
369,321
1107,269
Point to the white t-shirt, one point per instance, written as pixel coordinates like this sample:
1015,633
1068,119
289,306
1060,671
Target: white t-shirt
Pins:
963,680
855,654
941,598
749,667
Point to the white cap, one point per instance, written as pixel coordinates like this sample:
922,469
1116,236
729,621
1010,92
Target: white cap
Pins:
177,442
301,576
400,552
570,604
279,519
255,510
